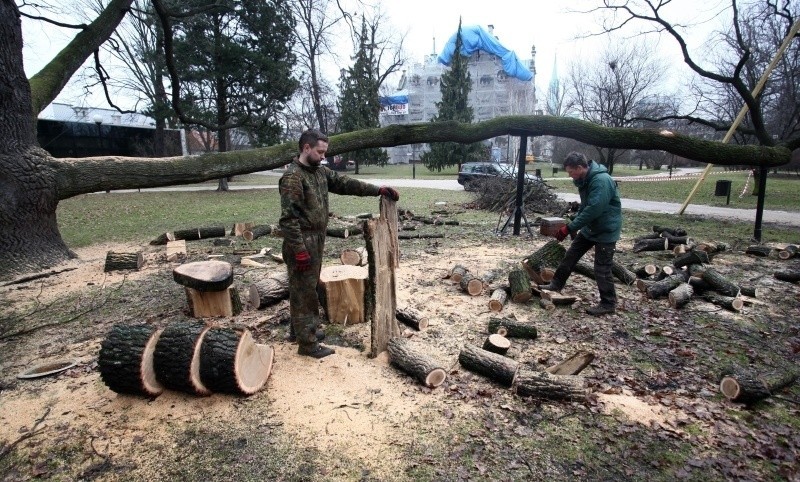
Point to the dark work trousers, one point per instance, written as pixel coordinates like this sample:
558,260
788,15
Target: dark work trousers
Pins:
603,260
303,299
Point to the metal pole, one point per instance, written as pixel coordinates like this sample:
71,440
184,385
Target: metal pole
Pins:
762,188
523,147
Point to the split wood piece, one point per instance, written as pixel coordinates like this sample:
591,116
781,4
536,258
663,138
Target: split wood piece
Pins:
176,358
788,252
548,256
211,304
409,358
728,302
471,285
251,263
495,367
240,228
658,244
720,283
646,271
388,211
411,317
119,261
558,299
497,343
276,257
457,272
344,288
533,275
261,230
691,257
623,274
511,328
670,231
790,275
498,300
190,235
680,295
547,305
380,236
420,236
573,365
354,257
232,362
125,361
269,291
585,268
176,250
204,275
520,286
745,386
661,288
712,248
759,250
531,383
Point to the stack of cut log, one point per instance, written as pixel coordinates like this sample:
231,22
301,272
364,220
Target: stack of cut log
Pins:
191,357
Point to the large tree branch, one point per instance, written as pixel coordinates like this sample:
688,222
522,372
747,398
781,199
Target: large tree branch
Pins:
85,175
49,81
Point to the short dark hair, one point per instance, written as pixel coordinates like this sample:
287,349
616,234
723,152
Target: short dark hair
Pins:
311,137
575,159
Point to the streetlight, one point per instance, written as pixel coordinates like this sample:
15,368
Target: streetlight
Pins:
413,164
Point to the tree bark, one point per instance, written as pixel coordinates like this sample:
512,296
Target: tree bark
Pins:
585,268
495,367
125,361
511,328
623,274
232,362
415,362
411,317
119,261
531,383
520,286
548,256
664,230
176,357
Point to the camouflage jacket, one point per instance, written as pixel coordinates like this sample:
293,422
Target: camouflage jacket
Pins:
304,199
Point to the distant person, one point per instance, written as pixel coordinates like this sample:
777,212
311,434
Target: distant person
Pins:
304,219
597,224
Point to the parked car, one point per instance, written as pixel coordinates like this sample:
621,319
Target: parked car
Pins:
473,173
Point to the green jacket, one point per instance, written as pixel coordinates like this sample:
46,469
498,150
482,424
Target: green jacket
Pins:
304,199
600,215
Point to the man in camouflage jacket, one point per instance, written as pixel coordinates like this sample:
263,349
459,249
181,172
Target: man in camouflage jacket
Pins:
304,192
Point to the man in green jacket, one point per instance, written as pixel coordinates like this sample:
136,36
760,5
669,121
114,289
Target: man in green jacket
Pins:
597,224
304,219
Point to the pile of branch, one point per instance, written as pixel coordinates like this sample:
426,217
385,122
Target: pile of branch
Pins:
499,195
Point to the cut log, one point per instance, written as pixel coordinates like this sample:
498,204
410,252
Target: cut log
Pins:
531,383
354,257
546,305
232,362
240,228
585,268
338,232
696,269
222,242
623,274
511,328
414,361
573,365
661,289
712,248
680,295
749,290
679,249
759,250
728,302
790,275
745,386
520,285
269,291
176,251
190,235
665,272
261,230
646,271
646,236
210,304
176,359
495,367
344,288
204,275
658,244
548,256
788,252
498,300
411,317
691,257
643,284
558,299
420,235
125,361
119,261
699,285
457,272
721,284
471,285
497,343
677,231
381,302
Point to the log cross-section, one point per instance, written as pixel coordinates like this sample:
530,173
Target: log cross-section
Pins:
498,300
745,386
232,362
497,343
415,362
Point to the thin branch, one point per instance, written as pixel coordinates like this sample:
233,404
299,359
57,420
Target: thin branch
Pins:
79,26
30,433
103,76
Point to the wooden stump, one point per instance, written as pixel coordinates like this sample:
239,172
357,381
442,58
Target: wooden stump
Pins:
511,328
176,251
496,367
119,261
411,317
744,386
789,275
412,360
232,362
498,300
209,304
728,302
721,284
573,365
269,291
531,383
471,285
344,293
457,272
204,275
680,295
497,343
125,361
176,359
354,257
520,286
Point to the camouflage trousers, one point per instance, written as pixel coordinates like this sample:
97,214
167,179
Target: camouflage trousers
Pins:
303,299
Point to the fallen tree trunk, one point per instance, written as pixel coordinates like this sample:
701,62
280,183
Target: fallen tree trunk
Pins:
790,275
175,358
119,261
269,291
497,343
511,328
125,361
498,300
232,362
745,386
721,284
520,286
748,290
404,355
573,365
691,257
190,235
411,317
728,302
495,367
530,383
680,295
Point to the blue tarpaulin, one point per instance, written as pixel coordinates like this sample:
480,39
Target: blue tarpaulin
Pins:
393,99
474,38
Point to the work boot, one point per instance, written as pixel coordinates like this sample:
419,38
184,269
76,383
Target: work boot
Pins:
318,351
550,287
601,309
291,337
